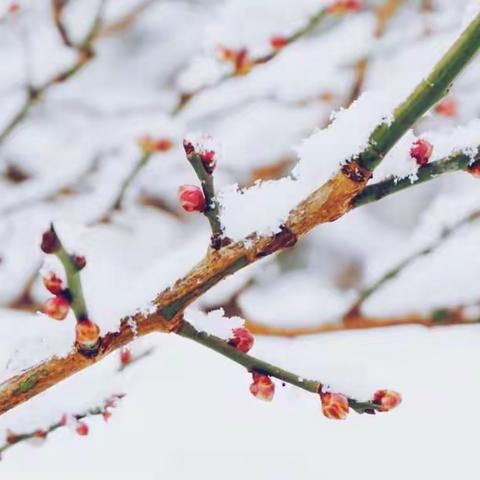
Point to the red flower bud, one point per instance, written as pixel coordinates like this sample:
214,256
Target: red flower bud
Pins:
125,356
345,6
208,158
242,340
87,334
387,399
106,415
262,387
79,261
191,198
163,145
40,434
57,307
334,405
14,7
243,64
53,283
421,151
447,107
278,42
50,243
82,429
474,169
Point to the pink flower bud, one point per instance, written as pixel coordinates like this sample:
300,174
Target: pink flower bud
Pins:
262,387
106,415
278,42
125,356
209,160
345,6
163,145
421,151
242,340
474,169
87,334
82,429
387,399
50,243
191,198
334,405
447,108
57,307
53,283
79,261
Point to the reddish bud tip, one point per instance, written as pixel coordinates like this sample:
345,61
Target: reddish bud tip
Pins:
243,64
106,415
14,7
421,151
447,108
474,169
50,243
262,387
345,6
79,261
125,356
57,307
82,429
278,42
209,160
386,399
53,283
163,145
334,405
87,335
11,437
40,434
192,198
188,147
242,340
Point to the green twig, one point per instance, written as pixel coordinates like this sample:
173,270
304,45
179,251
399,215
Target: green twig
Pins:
252,364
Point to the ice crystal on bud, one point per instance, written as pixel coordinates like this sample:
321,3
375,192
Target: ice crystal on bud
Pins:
57,307
334,405
386,400
191,198
262,387
421,151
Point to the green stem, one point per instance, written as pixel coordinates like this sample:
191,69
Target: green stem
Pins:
74,282
425,95
252,364
376,191
212,210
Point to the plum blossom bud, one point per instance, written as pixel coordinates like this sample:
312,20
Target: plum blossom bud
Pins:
262,387
209,160
474,169
345,6
106,415
125,356
278,42
386,399
82,429
53,283
50,243
191,198
447,108
421,151
14,7
87,334
242,339
163,145
334,405
57,307
243,64
79,261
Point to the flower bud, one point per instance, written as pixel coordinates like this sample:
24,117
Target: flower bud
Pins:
243,64
53,283
386,399
447,108
191,198
345,6
82,429
262,387
421,151
163,145
50,243
106,415
125,356
474,169
87,335
79,261
334,405
57,307
278,42
242,340
147,144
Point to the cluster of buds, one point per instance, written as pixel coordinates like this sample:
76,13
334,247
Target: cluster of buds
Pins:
87,335
150,145
447,108
242,340
262,387
345,6
238,58
58,306
421,151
